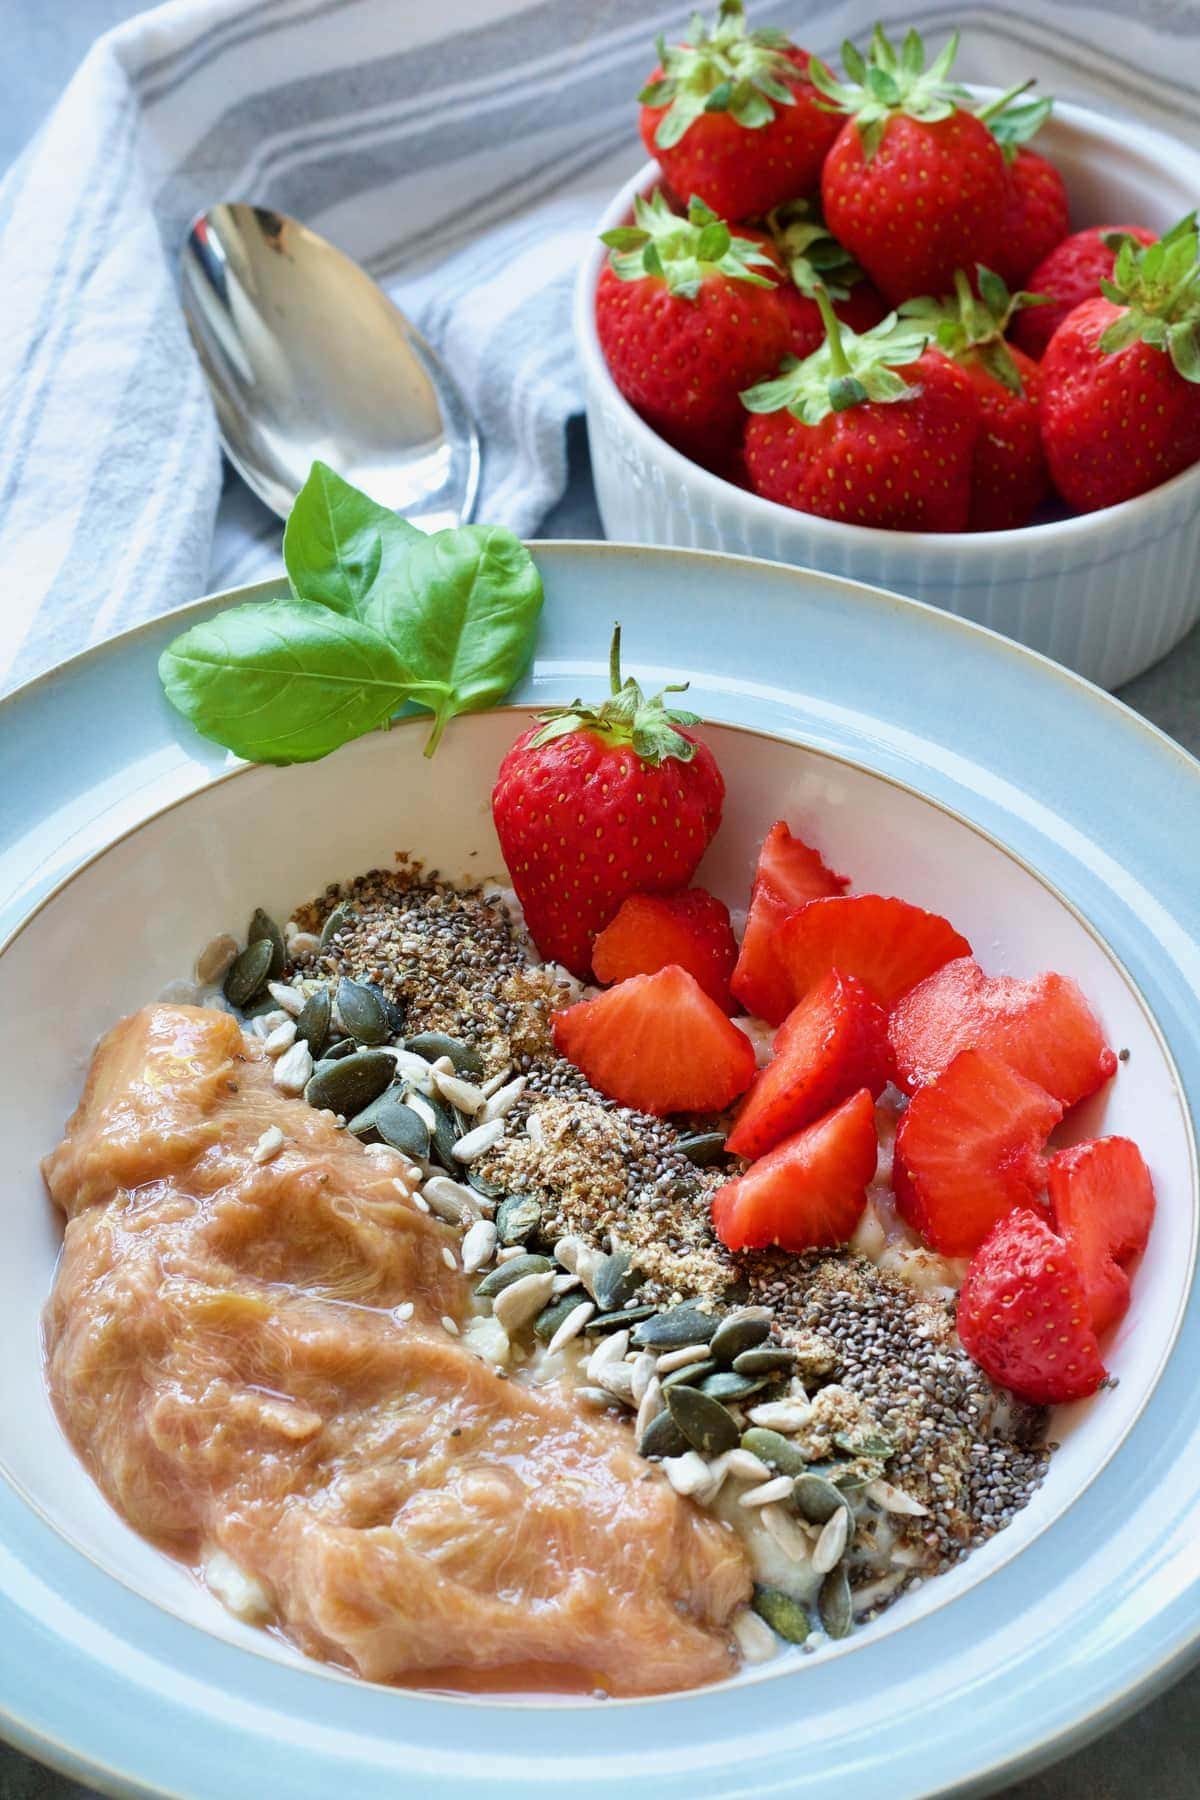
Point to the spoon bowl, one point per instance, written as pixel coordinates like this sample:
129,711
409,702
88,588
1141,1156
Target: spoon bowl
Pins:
307,358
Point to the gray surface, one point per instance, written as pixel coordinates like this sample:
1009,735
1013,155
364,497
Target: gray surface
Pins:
1156,1754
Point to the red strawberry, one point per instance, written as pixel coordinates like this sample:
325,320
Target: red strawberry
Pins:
1023,1317
846,436
687,315
969,1149
788,874
657,1043
1071,273
914,186
832,1044
652,930
813,258
1009,478
1036,211
596,803
1043,1028
1121,394
888,944
1102,1202
733,117
809,1191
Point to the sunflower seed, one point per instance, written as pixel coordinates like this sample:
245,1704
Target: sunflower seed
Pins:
643,1374
753,1637
247,973
519,1302
338,919
216,958
456,1204
268,1145
785,1533
571,1324
738,1332
566,1252
690,1375
463,1094
835,1605
688,1474
499,1104
432,1044
617,1380
661,1436
351,1083
764,1362
478,1142
293,1069
725,1385
594,1396
613,1281
399,1126
817,1500
281,1038
781,1415
290,998
517,1218
778,1487
450,1325
786,1617
361,1011
774,1450
609,1350
681,1325
827,1552
413,1070
313,1023
743,1465
679,1359
564,1283
895,1500
494,1083
702,1148
651,1406
264,930
704,1423
421,1106
508,1272
478,1246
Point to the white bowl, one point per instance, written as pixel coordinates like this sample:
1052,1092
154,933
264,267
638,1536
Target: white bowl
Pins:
1106,593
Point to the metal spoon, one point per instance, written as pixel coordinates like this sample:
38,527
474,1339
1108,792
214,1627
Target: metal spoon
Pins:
306,357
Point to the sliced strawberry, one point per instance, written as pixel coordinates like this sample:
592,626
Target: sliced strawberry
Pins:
658,1043
809,1191
651,930
1043,1028
888,944
1102,1201
788,874
1023,1315
969,1149
829,1046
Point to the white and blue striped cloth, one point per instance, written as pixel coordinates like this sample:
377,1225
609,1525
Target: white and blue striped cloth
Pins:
462,151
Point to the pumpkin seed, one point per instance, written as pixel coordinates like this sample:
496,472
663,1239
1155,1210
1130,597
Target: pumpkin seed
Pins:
362,1013
690,1373
264,930
613,1281
343,1047
764,1361
432,1044
865,1443
496,1280
680,1325
817,1499
704,1422
739,1332
351,1082
247,974
835,1605
552,1316
517,1218
482,1185
725,1385
447,1129
775,1450
786,1617
850,1482
616,1321
399,1126
257,1009
338,919
662,1437
313,1023
393,1009
702,1148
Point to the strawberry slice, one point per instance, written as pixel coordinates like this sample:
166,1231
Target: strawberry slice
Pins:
1102,1202
969,1149
789,872
651,930
1023,1315
807,1193
828,1047
888,944
657,1043
1043,1028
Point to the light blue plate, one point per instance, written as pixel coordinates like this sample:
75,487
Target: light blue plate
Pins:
1054,1646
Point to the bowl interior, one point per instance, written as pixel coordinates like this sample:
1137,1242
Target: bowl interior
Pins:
135,917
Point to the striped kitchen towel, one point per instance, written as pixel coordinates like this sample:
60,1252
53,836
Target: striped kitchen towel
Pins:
462,151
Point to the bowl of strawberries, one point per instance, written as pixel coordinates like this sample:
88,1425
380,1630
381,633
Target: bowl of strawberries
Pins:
932,338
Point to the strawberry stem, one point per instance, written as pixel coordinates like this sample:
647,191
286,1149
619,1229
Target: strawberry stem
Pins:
614,660
833,333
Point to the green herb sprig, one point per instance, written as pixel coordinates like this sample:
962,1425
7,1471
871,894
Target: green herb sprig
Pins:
380,616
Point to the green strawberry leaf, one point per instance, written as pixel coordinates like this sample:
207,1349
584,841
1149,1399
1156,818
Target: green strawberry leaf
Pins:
684,252
720,69
849,368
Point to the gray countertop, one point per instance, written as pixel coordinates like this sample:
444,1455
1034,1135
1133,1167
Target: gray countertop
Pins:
1156,1754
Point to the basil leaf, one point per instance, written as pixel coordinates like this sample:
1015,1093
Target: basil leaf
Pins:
284,681
461,613
337,539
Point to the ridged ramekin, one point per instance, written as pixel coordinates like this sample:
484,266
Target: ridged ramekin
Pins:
1106,593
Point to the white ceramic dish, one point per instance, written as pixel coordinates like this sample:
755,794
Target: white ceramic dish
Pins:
159,846
1105,593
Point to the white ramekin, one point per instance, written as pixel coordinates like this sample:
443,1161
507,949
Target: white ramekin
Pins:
1106,593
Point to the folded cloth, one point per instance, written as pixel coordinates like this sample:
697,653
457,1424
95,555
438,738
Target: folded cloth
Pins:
462,151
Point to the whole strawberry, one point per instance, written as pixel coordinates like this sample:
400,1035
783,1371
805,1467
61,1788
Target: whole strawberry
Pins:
1009,478
1070,274
1121,379
915,185
595,803
733,117
813,258
1036,216
845,435
687,315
